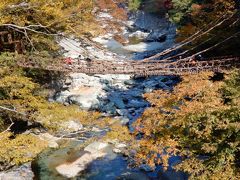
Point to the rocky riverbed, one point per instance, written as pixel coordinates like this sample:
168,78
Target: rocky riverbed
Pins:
117,96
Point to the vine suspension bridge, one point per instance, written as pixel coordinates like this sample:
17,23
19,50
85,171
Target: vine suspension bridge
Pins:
138,68
147,67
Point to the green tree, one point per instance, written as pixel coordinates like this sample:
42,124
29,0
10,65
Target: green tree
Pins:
181,10
134,4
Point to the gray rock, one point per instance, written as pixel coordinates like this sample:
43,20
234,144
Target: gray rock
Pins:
84,102
109,108
120,145
68,81
150,84
96,147
117,101
92,152
130,82
122,112
148,90
124,120
136,93
24,172
115,150
104,81
133,176
137,104
61,96
146,167
157,35
72,125
139,34
52,141
107,88
95,129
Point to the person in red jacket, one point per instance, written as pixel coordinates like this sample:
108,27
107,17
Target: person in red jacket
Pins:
68,61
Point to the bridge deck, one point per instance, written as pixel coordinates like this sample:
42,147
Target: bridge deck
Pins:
139,68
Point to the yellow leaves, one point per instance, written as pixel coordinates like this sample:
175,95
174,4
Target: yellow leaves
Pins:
69,16
194,84
54,115
20,149
209,147
17,86
20,93
120,133
192,166
17,92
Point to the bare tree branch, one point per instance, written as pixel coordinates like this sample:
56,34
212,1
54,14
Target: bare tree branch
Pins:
29,28
12,110
9,127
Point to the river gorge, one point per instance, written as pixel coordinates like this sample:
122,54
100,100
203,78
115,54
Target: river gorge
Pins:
117,96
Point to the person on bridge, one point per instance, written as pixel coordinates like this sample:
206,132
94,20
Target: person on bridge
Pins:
79,58
199,57
88,59
195,58
68,60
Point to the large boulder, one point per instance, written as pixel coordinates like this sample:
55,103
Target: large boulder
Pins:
52,140
91,152
24,172
85,97
96,147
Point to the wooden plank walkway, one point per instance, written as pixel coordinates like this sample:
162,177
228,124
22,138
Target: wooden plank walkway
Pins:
138,68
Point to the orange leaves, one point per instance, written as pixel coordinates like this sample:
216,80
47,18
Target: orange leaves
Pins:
193,121
196,8
186,31
112,6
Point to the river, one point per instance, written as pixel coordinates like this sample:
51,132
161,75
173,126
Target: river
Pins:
150,35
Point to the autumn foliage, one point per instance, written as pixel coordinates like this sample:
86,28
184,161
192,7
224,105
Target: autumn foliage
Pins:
195,17
199,120
41,21
113,7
